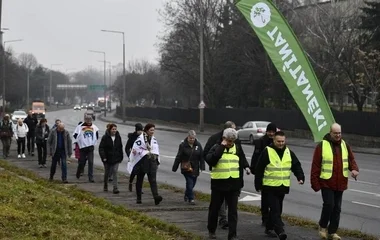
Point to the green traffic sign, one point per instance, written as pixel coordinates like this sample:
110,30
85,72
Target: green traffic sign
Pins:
96,87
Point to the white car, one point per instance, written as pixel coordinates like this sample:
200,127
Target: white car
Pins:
252,130
77,107
16,115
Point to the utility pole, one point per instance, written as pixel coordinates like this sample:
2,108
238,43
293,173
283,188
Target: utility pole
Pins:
201,104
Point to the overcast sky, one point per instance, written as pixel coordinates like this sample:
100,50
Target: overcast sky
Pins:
62,31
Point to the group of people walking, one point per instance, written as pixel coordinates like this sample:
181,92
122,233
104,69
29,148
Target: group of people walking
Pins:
272,163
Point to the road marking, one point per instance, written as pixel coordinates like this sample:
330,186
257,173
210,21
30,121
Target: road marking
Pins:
366,204
166,156
360,191
363,182
249,198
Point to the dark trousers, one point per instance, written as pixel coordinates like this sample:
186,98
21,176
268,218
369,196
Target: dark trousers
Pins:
332,205
152,182
231,199
86,154
6,141
21,145
264,207
41,151
59,156
275,203
132,177
191,180
30,138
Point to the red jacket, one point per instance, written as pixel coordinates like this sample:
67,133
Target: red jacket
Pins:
337,182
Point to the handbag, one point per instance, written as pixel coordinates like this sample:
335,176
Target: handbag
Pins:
186,164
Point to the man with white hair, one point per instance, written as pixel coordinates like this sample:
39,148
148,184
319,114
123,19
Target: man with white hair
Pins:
332,162
226,159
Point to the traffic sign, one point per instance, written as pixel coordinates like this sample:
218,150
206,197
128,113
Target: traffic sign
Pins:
202,105
96,87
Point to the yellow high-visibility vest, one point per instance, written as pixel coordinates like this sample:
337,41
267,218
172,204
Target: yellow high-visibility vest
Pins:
228,165
328,158
277,172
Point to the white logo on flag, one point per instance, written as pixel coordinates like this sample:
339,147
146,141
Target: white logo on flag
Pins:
260,15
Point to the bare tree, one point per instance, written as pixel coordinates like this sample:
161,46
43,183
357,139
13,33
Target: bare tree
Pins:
28,61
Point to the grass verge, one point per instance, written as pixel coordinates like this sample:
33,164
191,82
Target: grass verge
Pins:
292,220
43,210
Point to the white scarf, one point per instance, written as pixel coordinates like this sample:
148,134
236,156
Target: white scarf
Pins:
140,148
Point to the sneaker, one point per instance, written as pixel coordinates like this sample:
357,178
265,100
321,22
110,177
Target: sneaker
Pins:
192,202
282,236
23,155
19,156
32,153
211,235
116,191
138,201
105,189
223,224
334,236
270,233
91,180
322,232
65,181
157,200
41,166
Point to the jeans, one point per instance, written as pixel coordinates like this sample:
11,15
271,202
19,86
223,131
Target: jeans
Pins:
152,182
231,199
30,142
41,150
86,154
21,145
59,156
110,171
275,203
6,145
332,205
190,184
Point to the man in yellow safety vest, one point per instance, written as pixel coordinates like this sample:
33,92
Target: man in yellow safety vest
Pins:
226,159
272,177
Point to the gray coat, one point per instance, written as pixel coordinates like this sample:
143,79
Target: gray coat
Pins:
52,143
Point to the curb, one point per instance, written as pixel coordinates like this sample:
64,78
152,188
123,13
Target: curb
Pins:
101,118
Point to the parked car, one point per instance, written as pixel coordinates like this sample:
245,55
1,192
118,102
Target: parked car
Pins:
97,109
19,114
252,130
77,107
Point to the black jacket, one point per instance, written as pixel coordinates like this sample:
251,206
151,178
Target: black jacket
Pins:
132,137
40,138
193,154
264,161
111,150
260,145
31,122
230,184
214,139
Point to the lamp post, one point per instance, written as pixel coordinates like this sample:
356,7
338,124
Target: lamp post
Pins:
201,104
124,79
5,42
109,77
105,89
67,83
51,80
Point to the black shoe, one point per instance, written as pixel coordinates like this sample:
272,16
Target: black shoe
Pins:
41,166
65,181
130,187
91,180
78,174
211,235
116,191
105,189
138,201
282,236
270,233
110,180
157,200
185,199
223,224
32,153
50,179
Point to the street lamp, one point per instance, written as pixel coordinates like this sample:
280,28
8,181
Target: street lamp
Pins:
67,83
105,90
51,80
9,41
201,91
124,79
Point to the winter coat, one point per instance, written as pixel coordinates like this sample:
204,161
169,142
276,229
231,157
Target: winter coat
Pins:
132,137
6,129
111,150
32,124
337,182
52,143
40,137
193,154
260,145
264,161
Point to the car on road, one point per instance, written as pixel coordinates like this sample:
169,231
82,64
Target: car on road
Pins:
97,109
252,130
84,106
18,114
77,107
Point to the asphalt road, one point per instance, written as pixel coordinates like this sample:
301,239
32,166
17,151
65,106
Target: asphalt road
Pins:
361,203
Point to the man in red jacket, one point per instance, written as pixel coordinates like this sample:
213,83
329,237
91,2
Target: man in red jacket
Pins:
332,161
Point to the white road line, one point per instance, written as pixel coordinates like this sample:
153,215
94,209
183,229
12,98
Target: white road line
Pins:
360,191
363,182
366,204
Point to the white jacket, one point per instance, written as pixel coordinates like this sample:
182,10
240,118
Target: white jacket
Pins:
20,131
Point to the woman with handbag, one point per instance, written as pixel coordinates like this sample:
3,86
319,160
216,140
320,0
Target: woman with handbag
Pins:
190,157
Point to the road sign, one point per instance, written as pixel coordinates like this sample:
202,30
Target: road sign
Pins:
71,86
96,87
202,105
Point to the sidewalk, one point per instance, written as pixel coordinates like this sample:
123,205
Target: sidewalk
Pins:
177,127
172,209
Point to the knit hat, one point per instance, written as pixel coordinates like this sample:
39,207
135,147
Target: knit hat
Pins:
272,127
138,127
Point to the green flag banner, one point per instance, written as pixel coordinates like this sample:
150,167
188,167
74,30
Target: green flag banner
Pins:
289,58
